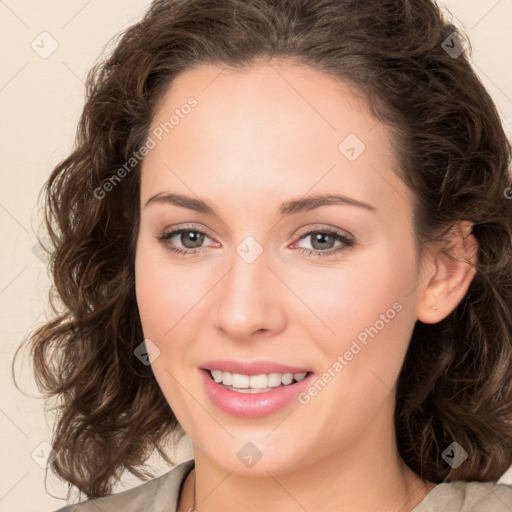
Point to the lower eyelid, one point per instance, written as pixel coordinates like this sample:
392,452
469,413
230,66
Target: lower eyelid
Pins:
345,241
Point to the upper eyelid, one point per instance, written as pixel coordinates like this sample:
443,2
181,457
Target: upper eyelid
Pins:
301,234
323,228
187,227
206,231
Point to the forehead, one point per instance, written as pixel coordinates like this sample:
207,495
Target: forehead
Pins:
275,124
290,92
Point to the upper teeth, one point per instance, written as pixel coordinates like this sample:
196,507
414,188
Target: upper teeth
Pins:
237,380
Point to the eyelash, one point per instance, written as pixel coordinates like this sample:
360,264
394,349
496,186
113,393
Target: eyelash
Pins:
347,241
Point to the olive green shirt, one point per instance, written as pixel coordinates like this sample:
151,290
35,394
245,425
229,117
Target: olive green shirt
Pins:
161,495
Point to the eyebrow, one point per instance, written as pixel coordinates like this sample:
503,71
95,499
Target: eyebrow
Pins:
293,206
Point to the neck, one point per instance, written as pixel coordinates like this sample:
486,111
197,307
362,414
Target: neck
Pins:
364,475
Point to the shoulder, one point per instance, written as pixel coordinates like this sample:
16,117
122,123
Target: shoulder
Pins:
160,493
462,496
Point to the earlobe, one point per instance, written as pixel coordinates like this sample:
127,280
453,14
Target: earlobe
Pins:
450,273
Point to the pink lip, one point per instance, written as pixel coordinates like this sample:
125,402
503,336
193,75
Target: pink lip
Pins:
252,368
253,405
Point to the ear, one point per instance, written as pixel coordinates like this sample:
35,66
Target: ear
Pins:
449,274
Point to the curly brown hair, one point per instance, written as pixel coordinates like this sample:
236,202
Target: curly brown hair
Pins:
456,380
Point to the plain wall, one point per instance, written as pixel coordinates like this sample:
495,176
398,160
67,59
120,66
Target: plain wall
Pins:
41,97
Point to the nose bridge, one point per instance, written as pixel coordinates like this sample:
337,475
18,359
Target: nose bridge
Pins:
248,298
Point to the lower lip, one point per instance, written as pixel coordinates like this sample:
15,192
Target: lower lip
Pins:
253,405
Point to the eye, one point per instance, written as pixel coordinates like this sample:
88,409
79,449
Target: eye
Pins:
191,240
323,242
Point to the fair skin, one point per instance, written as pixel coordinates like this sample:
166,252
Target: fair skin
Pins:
258,138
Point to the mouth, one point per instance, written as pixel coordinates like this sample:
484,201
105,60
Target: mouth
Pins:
261,383
256,395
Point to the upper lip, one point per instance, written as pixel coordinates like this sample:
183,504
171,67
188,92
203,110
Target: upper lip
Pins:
252,367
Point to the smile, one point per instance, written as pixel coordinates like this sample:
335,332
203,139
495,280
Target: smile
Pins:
252,396
255,383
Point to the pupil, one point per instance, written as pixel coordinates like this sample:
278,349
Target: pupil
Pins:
319,237
191,236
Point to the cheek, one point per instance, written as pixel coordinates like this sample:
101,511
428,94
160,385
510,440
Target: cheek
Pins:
150,293
162,299
155,291
352,298
367,312
166,292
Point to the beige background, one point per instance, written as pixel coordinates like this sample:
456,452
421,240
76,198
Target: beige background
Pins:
40,102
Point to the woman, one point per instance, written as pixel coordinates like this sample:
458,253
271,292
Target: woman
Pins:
285,230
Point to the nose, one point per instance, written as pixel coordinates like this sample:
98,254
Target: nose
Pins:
250,299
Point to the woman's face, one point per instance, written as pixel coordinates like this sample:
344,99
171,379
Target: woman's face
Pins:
264,275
